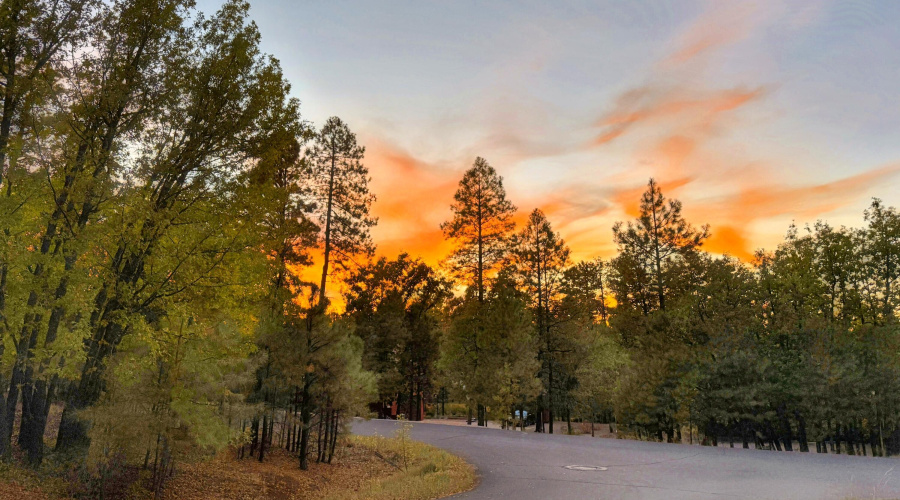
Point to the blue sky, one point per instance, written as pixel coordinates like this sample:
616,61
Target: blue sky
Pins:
754,114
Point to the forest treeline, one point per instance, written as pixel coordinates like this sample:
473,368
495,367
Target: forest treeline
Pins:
162,203
797,346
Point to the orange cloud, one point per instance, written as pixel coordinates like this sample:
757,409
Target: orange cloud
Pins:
721,25
674,126
413,199
805,201
732,215
676,130
729,240
648,106
630,198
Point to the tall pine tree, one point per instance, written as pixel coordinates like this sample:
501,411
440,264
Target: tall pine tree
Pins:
340,189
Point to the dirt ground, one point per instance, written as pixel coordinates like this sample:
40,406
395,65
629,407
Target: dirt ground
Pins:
15,491
227,478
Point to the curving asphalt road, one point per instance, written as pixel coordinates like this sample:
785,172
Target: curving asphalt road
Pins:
529,466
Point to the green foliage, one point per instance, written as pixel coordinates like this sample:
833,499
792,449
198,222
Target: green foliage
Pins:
394,306
488,349
157,213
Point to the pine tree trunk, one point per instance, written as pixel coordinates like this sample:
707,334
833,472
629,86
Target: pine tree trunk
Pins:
334,434
326,254
320,431
243,429
801,428
785,425
550,396
265,435
837,439
254,435
305,416
288,439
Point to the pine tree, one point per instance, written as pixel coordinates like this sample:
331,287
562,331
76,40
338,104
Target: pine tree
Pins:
882,238
499,371
393,304
340,189
659,234
586,286
541,257
481,226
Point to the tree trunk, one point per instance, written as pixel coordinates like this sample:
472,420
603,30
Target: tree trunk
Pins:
550,397
837,439
305,414
241,451
785,425
289,438
5,431
265,435
72,431
801,428
326,254
254,435
321,430
334,435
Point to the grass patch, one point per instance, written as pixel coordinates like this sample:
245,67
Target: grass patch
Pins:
420,471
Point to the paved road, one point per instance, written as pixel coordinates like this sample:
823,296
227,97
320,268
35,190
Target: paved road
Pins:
526,466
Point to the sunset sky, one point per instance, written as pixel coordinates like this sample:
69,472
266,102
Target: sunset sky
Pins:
753,114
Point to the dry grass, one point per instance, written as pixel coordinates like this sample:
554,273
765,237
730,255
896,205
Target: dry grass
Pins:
426,472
